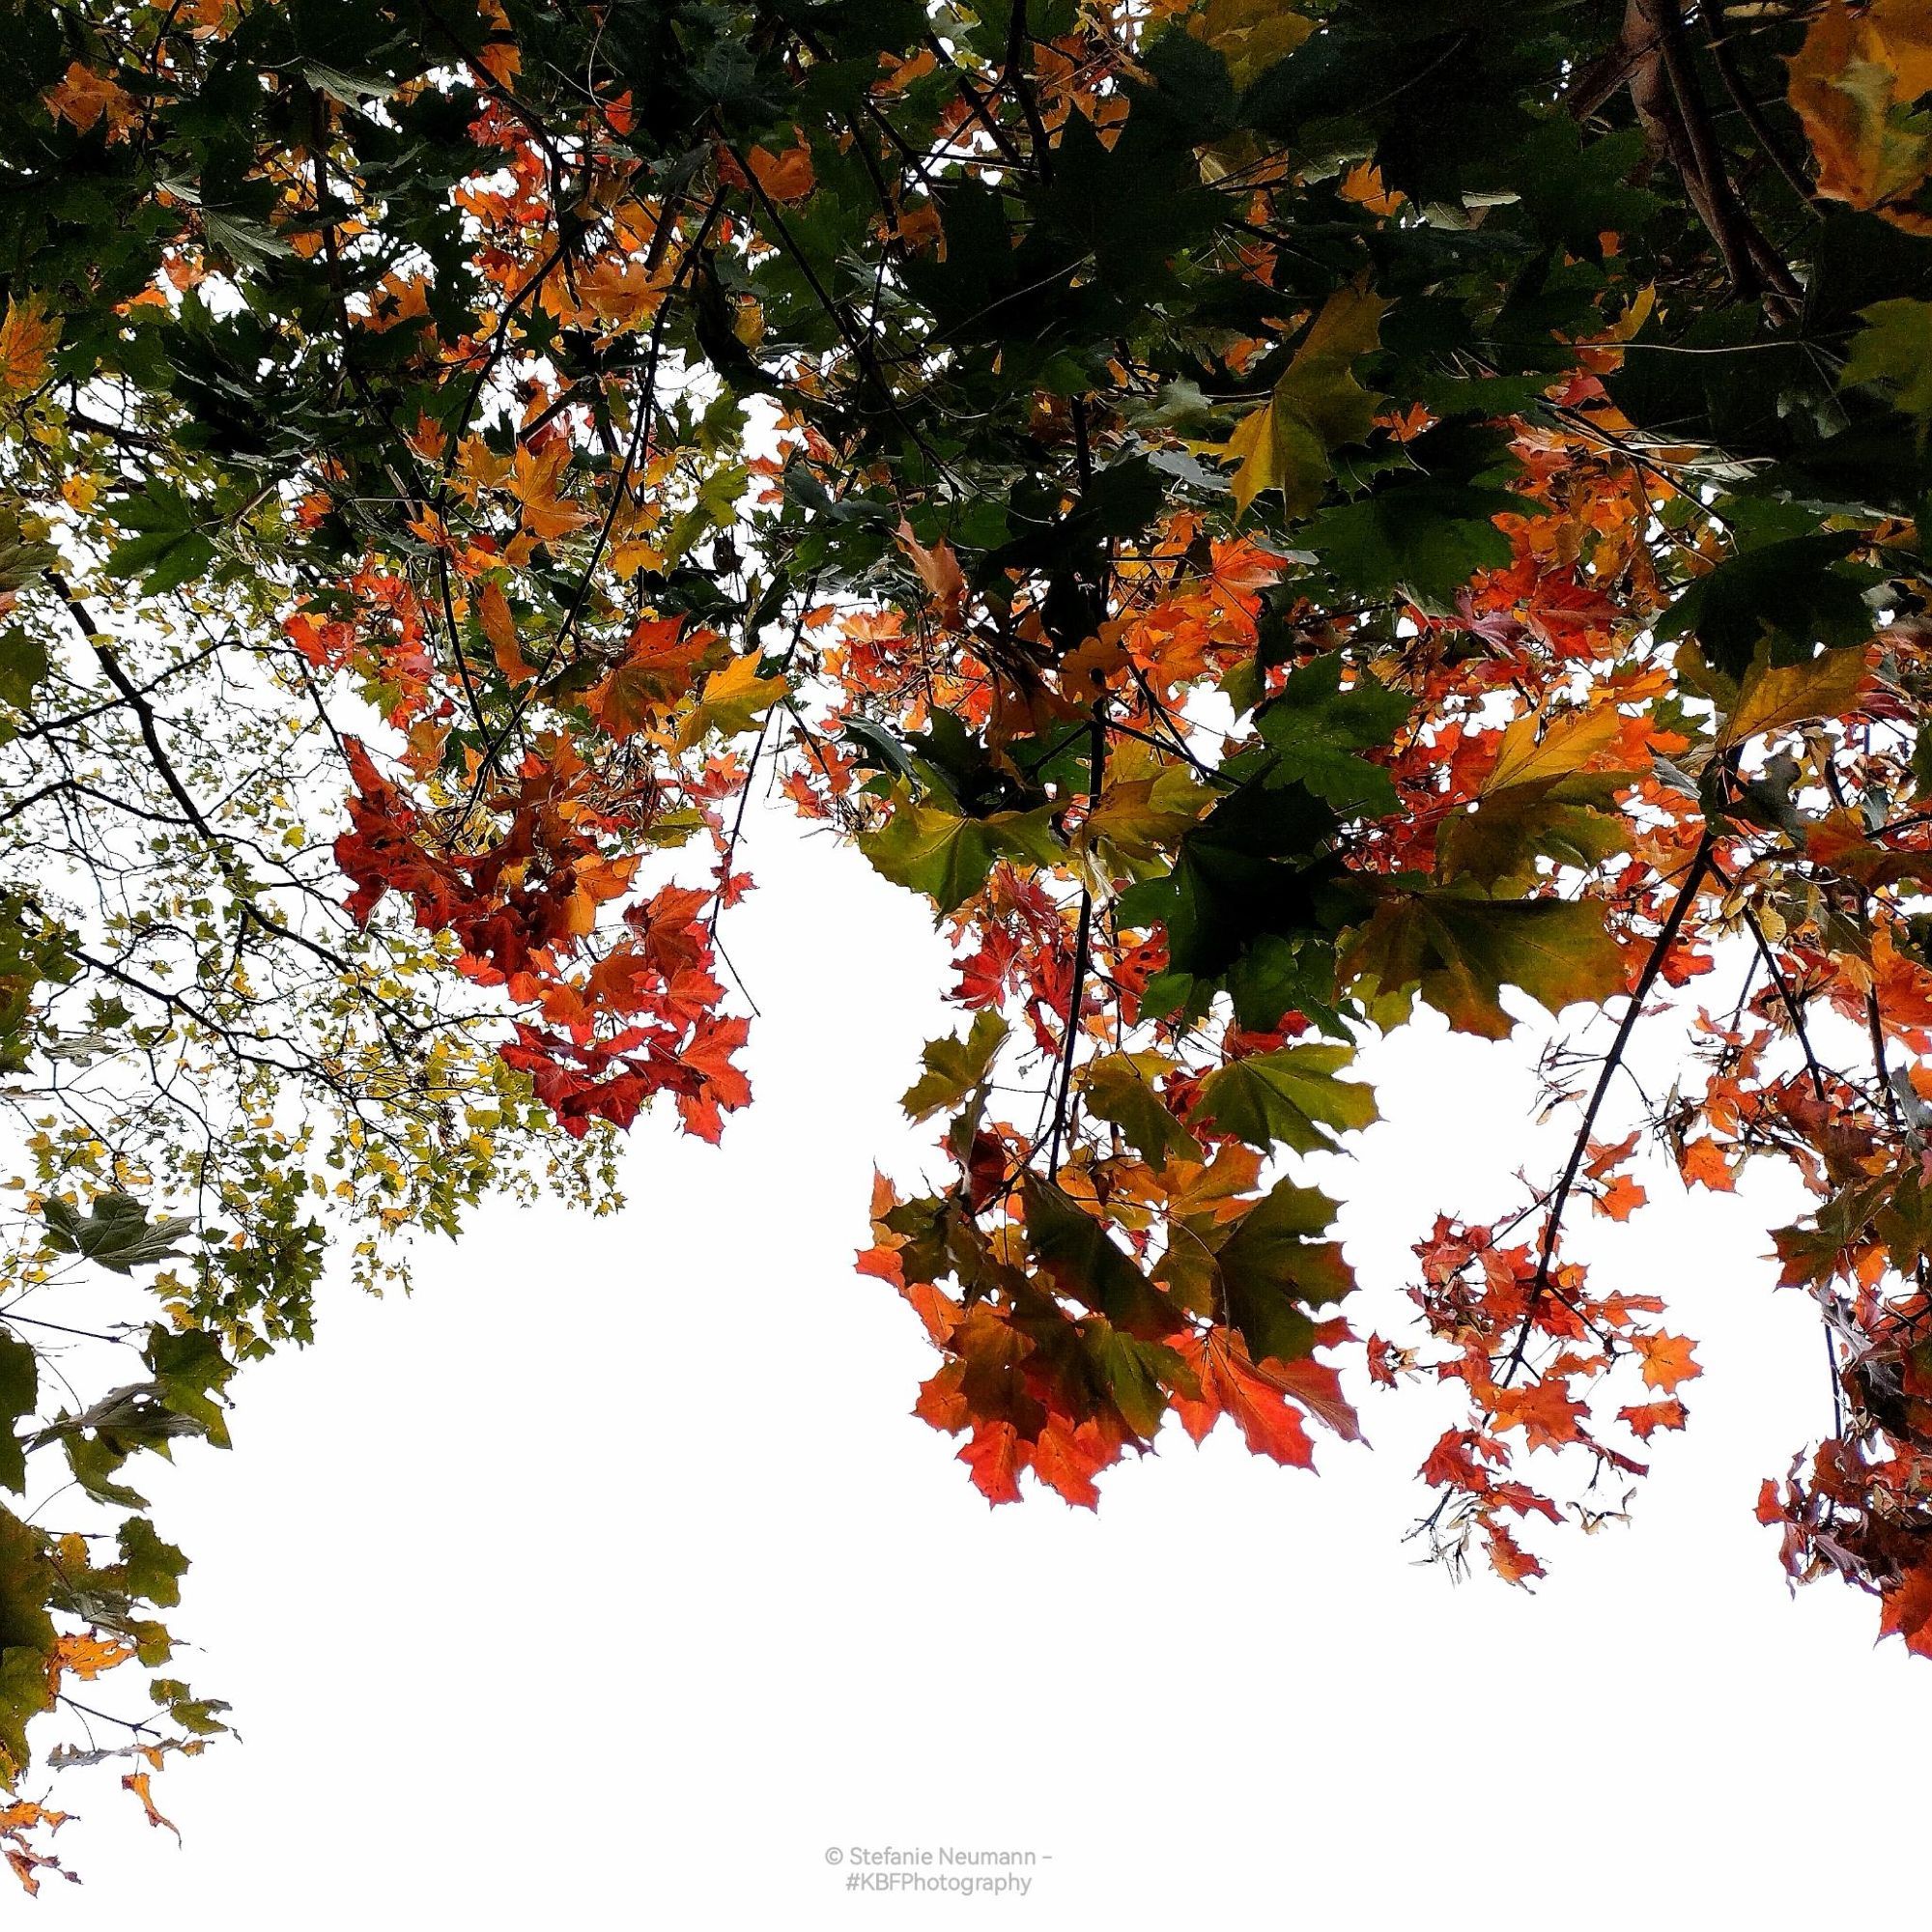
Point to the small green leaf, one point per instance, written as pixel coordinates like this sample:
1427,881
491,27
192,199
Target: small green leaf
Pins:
1893,354
1318,730
954,1066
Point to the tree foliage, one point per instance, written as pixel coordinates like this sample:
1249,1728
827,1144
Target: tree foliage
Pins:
1262,516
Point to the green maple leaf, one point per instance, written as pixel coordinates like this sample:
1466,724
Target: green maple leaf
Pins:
114,1231
1118,1088
20,1391
1075,1251
1136,1373
1276,1266
946,854
1893,354
1291,1098
1538,798
1318,731
1461,952
954,1066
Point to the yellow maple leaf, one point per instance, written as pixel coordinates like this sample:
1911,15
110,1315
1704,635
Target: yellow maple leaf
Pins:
1853,85
493,612
1316,406
1249,35
734,700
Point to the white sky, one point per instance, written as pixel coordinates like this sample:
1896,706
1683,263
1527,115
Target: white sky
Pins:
608,1581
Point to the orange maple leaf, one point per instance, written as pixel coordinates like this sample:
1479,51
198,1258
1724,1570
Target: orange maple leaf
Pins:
1645,1419
785,177
938,569
27,339
1704,1162
1231,1384
996,1456
1908,1610
1508,1558
87,1657
1544,1410
493,612
1621,1198
84,96
1667,1361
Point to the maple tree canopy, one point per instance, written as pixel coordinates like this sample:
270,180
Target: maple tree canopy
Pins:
1260,515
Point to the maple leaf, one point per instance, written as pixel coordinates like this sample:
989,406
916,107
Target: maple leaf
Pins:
1908,1609
1545,1410
1539,797
1319,728
1363,185
1460,952
536,481
938,569
1852,84
996,1456
1772,696
785,177
493,612
1645,1419
654,677
1894,352
1621,1198
939,441
137,1782
946,854
1233,1384
28,336
1316,407
1144,818
87,1657
1137,1374
1291,1098
722,1087
1704,1162
1120,1088
1275,1266
734,700
83,97
1667,1361
1075,1251
1508,1558
1067,1459
954,1066
1250,34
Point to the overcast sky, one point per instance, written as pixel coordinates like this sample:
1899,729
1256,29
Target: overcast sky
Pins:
608,1581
